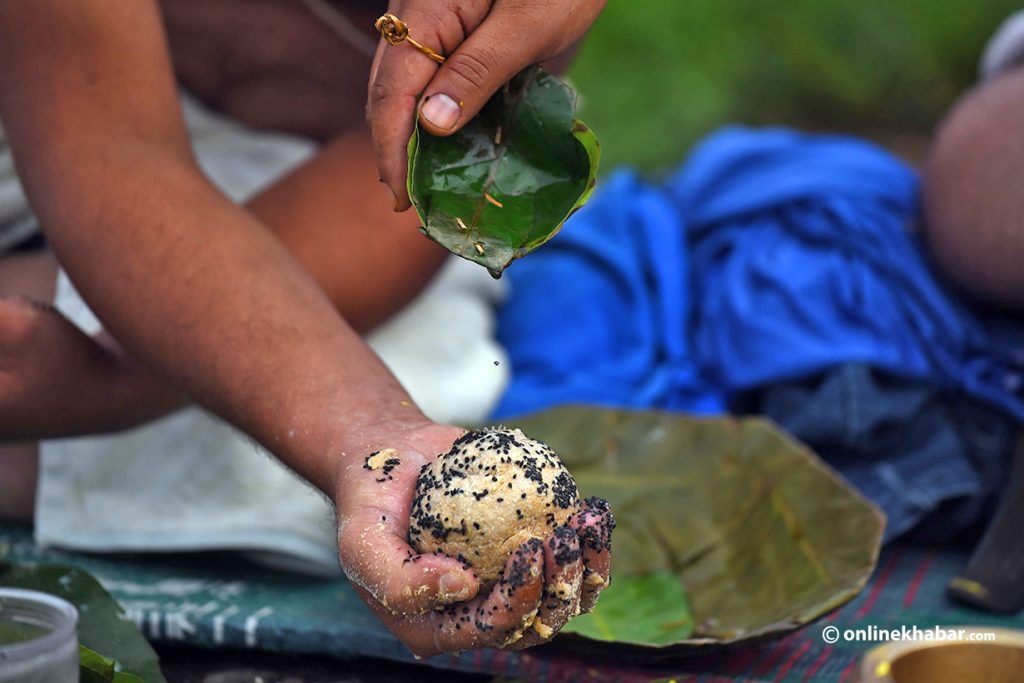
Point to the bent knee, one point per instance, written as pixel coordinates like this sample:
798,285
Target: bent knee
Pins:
19,318
973,200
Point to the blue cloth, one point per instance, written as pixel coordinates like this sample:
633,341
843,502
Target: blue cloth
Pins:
600,315
769,256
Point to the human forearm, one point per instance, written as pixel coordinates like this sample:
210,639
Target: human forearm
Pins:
197,288
188,282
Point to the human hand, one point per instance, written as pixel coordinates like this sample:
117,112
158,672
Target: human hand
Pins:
487,42
546,580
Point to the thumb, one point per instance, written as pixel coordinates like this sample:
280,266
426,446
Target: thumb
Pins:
376,557
488,59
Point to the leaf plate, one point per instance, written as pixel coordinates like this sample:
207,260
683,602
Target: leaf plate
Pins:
761,534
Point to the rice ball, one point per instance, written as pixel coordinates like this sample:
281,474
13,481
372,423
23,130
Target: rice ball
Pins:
493,491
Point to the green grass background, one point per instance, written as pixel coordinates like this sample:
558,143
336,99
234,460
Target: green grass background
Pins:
655,75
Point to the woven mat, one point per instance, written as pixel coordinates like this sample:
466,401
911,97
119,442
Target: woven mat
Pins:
220,601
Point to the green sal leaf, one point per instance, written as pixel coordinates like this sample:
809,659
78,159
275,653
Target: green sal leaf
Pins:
111,648
504,184
651,610
95,668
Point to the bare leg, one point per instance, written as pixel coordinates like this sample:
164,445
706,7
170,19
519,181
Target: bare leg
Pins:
56,381
19,463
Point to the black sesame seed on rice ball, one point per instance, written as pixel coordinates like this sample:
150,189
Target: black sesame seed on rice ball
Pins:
458,486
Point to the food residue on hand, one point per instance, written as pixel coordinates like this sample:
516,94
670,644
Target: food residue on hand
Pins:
542,629
384,460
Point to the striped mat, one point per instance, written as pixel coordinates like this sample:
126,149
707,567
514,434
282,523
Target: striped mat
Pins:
217,601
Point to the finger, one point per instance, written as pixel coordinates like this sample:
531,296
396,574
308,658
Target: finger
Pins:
505,614
494,620
378,559
500,48
400,75
594,524
563,576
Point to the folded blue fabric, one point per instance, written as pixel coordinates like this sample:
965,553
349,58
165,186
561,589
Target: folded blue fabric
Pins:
600,315
769,256
805,252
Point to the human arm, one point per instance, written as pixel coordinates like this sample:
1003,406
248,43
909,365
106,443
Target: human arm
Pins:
190,283
200,290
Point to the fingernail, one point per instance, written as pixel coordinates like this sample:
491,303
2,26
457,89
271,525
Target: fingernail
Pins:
454,585
441,111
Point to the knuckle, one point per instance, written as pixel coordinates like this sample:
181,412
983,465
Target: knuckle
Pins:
436,26
473,67
448,635
400,605
403,598
377,93
450,22
452,9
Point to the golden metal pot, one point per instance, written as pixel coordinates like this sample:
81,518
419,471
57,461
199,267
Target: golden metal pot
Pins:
975,656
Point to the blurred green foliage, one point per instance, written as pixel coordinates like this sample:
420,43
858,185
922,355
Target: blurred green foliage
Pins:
654,75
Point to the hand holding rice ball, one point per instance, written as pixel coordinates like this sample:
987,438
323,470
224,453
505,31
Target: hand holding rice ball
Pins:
497,493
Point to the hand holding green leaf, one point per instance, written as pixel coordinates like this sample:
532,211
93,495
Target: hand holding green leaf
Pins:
505,183
485,43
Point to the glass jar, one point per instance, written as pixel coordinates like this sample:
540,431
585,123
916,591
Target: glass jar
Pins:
38,641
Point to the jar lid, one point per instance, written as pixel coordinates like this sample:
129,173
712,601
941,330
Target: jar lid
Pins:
56,617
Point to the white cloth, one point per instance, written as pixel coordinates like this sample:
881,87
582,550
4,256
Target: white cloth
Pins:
189,481
1006,48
